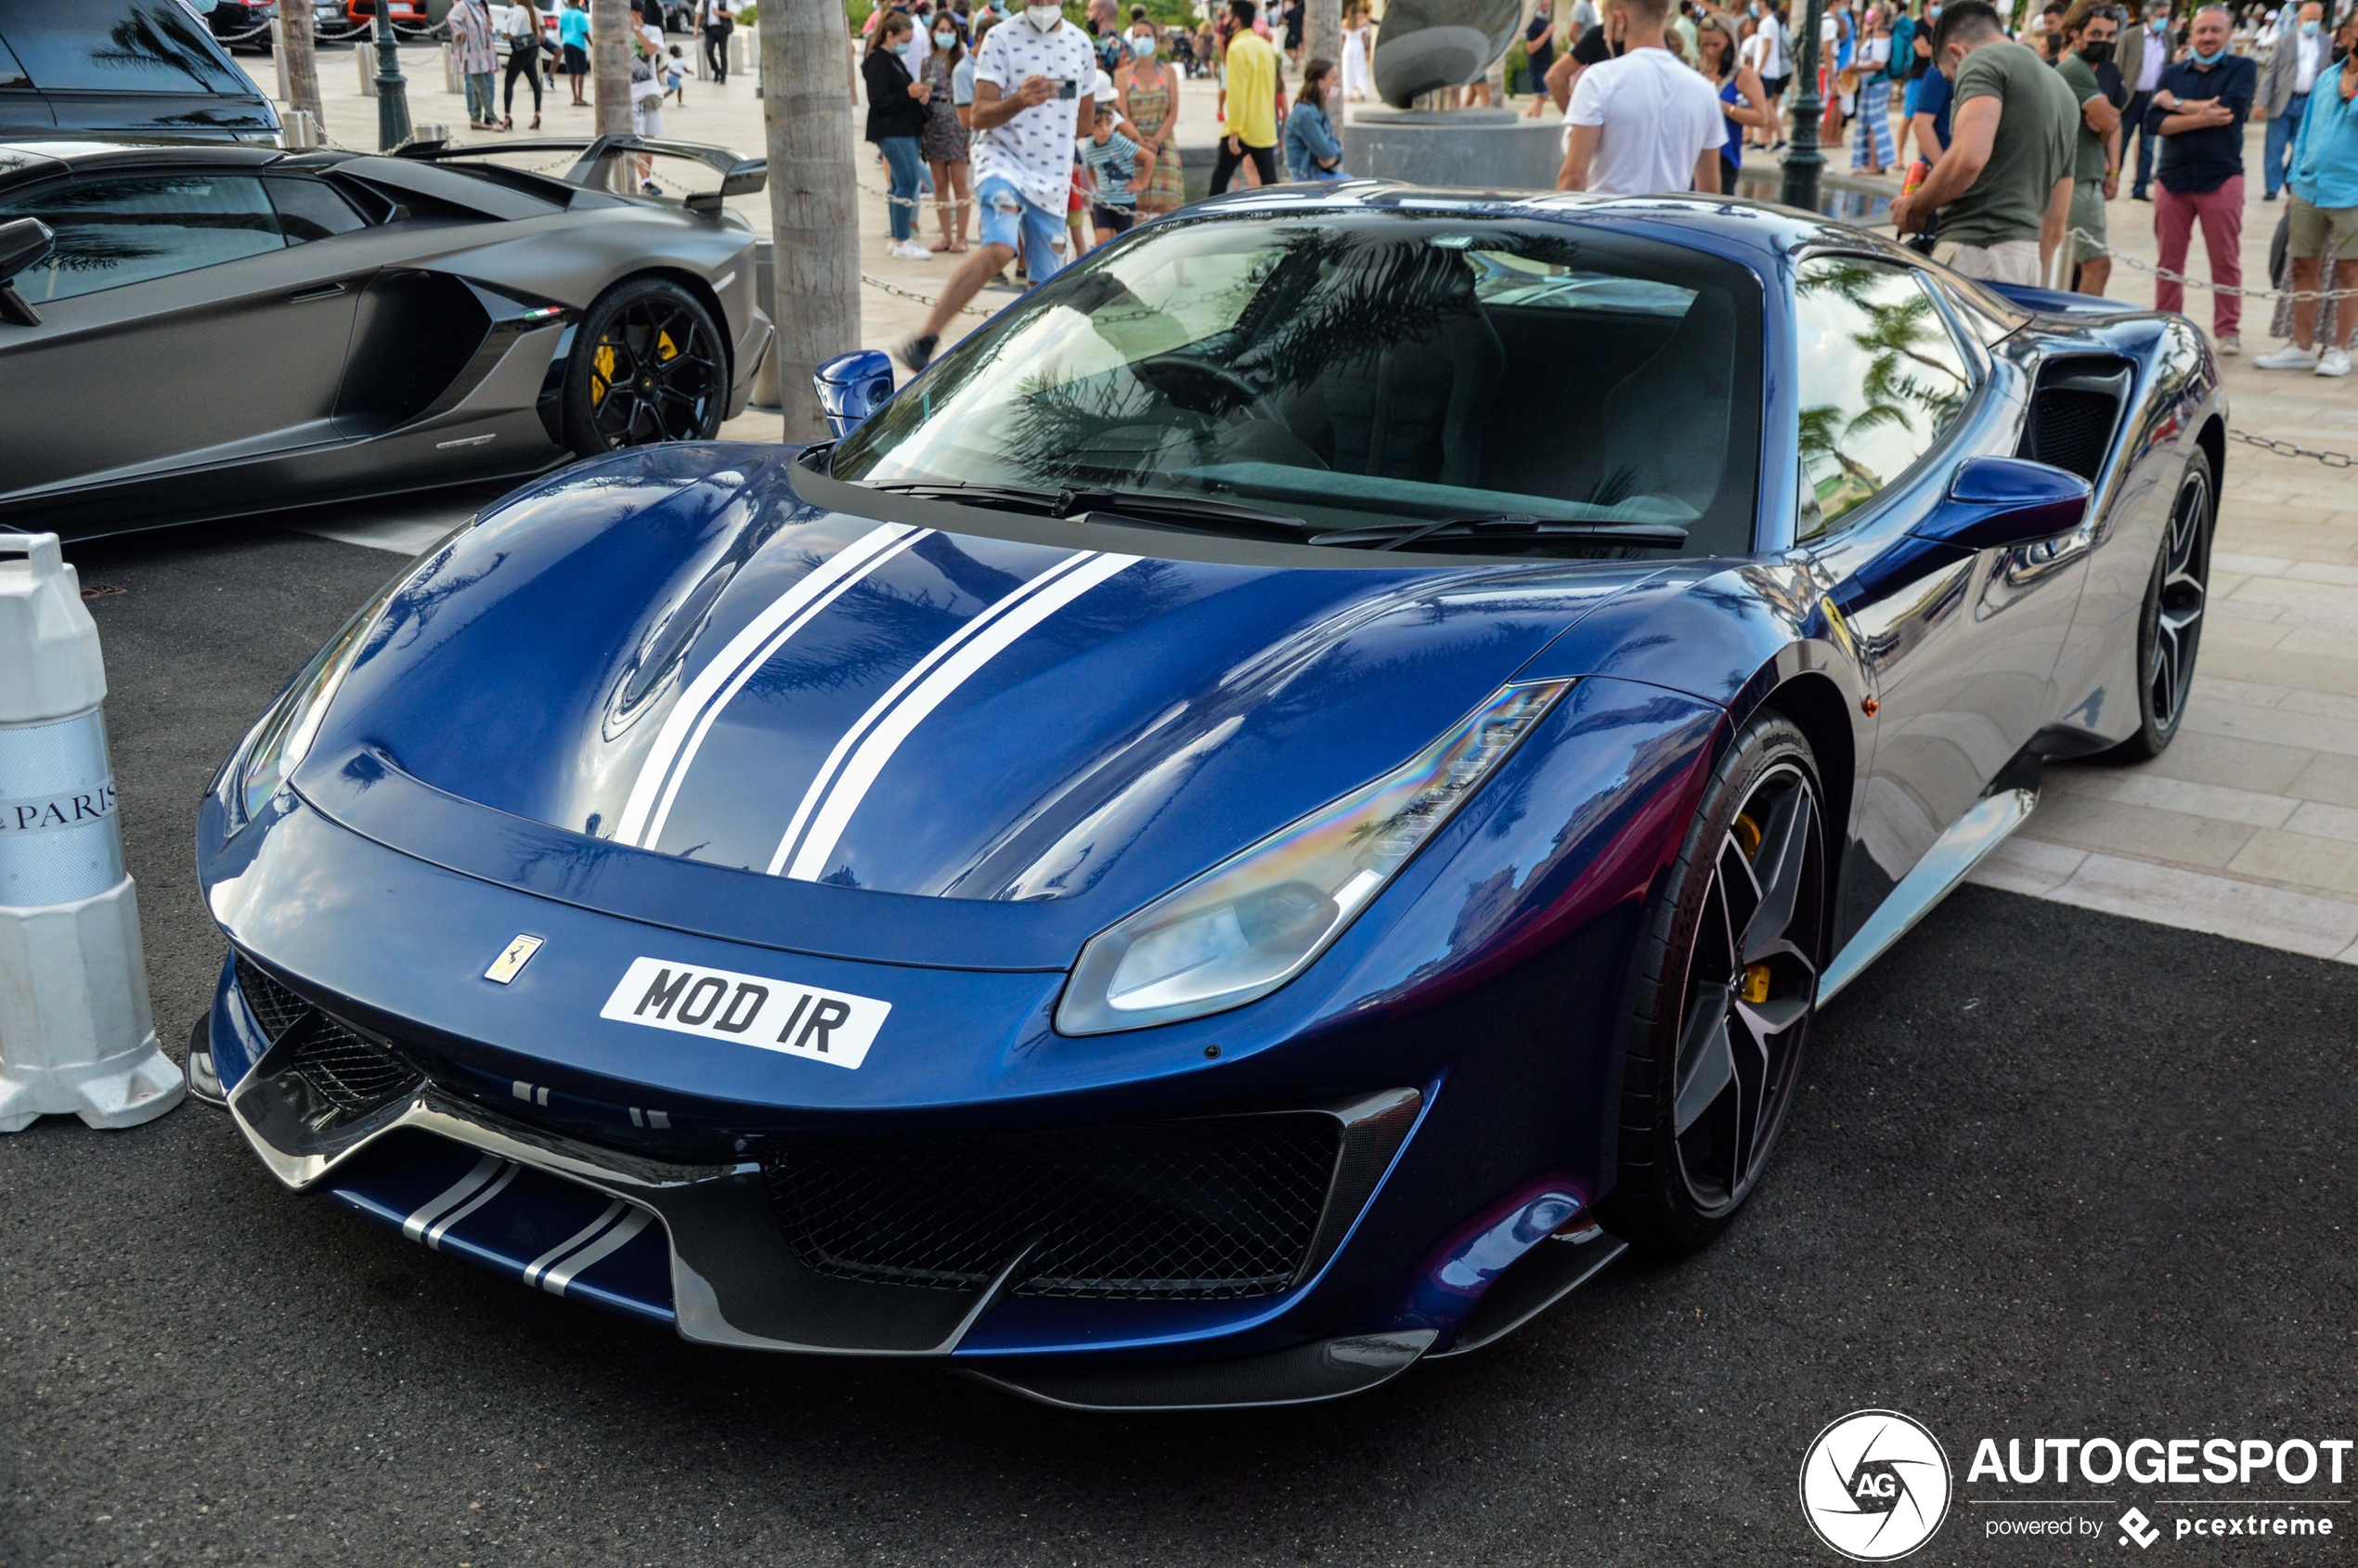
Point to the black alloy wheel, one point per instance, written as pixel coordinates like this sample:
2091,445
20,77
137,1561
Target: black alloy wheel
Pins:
2169,630
1727,990
647,365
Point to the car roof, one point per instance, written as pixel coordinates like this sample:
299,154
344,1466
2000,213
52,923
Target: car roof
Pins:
37,159
1765,232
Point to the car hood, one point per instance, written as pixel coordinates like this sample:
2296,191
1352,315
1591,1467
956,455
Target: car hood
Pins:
671,653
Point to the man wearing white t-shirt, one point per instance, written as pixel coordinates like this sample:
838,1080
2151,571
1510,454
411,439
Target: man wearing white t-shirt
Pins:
1035,84
1642,122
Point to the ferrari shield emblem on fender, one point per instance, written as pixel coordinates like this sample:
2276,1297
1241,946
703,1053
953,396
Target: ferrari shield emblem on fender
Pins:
512,960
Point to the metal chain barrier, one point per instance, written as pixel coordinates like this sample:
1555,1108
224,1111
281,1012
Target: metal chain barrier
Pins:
2102,243
876,283
2291,448
918,200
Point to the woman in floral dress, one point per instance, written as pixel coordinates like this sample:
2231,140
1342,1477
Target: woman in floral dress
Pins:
943,141
1148,90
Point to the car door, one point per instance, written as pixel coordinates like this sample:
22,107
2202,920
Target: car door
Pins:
1960,644
180,330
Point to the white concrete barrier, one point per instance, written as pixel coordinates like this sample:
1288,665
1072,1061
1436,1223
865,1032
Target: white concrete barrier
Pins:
76,1036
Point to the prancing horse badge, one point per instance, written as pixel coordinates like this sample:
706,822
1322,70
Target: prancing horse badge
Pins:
512,960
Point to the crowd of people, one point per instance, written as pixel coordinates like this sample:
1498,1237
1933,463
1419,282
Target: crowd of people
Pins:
1059,135
2019,142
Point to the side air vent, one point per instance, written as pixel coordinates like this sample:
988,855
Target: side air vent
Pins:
2074,414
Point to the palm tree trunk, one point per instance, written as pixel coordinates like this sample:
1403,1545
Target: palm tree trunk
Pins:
1322,40
303,64
610,65
814,214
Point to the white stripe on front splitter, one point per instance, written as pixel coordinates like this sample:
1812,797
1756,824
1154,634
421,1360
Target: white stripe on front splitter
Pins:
851,784
440,1228
975,626
690,717
449,1198
598,1251
582,1237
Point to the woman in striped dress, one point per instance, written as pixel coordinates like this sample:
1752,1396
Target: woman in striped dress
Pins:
1148,91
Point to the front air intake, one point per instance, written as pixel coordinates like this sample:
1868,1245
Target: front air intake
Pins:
1212,1208
338,1073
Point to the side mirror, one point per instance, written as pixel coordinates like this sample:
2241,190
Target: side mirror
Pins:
1995,503
24,244
851,387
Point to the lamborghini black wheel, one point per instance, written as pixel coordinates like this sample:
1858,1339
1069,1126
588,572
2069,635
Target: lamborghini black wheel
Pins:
2169,630
1726,987
647,365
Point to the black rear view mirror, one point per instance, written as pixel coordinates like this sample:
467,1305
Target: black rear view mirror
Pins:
24,244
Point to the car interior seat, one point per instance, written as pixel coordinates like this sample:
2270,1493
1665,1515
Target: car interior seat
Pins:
1666,424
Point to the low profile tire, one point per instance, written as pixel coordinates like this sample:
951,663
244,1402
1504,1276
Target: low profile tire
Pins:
2170,628
1726,987
647,365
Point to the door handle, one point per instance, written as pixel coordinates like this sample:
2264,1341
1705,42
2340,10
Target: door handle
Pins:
317,292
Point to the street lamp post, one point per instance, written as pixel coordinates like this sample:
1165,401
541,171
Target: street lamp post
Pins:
393,88
1803,160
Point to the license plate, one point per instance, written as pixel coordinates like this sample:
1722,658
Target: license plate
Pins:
773,1014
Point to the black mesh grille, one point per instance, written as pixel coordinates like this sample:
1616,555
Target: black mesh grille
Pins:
350,1072
274,1008
1213,1208
2070,429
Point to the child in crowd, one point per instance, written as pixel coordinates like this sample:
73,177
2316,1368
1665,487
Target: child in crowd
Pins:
675,79
1120,168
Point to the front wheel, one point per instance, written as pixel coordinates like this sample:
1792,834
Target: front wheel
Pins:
1726,987
647,365
2170,628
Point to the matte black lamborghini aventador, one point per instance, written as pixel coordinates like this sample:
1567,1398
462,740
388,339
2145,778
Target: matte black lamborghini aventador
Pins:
197,332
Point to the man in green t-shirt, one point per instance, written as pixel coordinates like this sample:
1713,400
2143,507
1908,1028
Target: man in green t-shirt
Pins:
2003,191
2090,32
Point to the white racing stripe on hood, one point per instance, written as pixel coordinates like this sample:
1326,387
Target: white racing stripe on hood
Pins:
851,767
692,718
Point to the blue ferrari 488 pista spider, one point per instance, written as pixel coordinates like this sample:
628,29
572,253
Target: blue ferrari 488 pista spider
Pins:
1289,798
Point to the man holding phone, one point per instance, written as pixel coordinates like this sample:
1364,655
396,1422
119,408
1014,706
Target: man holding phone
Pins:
1035,85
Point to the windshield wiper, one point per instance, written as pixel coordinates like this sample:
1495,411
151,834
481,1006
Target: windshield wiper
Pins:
1068,500
1506,529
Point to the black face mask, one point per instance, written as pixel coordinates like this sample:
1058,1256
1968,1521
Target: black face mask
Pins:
2096,54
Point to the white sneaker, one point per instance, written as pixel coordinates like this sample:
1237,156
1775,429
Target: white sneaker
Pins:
2231,343
2335,362
2292,356
908,249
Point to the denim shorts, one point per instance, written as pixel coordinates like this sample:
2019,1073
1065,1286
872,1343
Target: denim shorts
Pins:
1032,233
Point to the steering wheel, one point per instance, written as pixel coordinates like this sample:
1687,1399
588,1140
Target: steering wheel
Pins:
1195,385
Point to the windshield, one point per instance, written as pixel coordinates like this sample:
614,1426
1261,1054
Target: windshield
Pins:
1366,371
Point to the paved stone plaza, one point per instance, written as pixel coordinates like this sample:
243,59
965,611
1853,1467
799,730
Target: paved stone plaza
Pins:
2248,825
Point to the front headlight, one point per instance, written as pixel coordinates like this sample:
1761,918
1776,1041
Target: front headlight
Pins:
1246,927
278,744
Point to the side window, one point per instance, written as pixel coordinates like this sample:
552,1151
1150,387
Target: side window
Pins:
130,228
308,210
120,45
1878,377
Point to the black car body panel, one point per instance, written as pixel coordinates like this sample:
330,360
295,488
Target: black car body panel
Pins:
123,68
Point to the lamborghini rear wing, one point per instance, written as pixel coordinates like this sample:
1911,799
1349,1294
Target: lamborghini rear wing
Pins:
740,176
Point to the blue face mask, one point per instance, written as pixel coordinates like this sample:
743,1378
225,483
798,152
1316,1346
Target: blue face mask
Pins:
2207,61
2309,29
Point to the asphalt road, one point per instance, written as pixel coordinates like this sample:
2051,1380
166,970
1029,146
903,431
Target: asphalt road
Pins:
2052,1173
